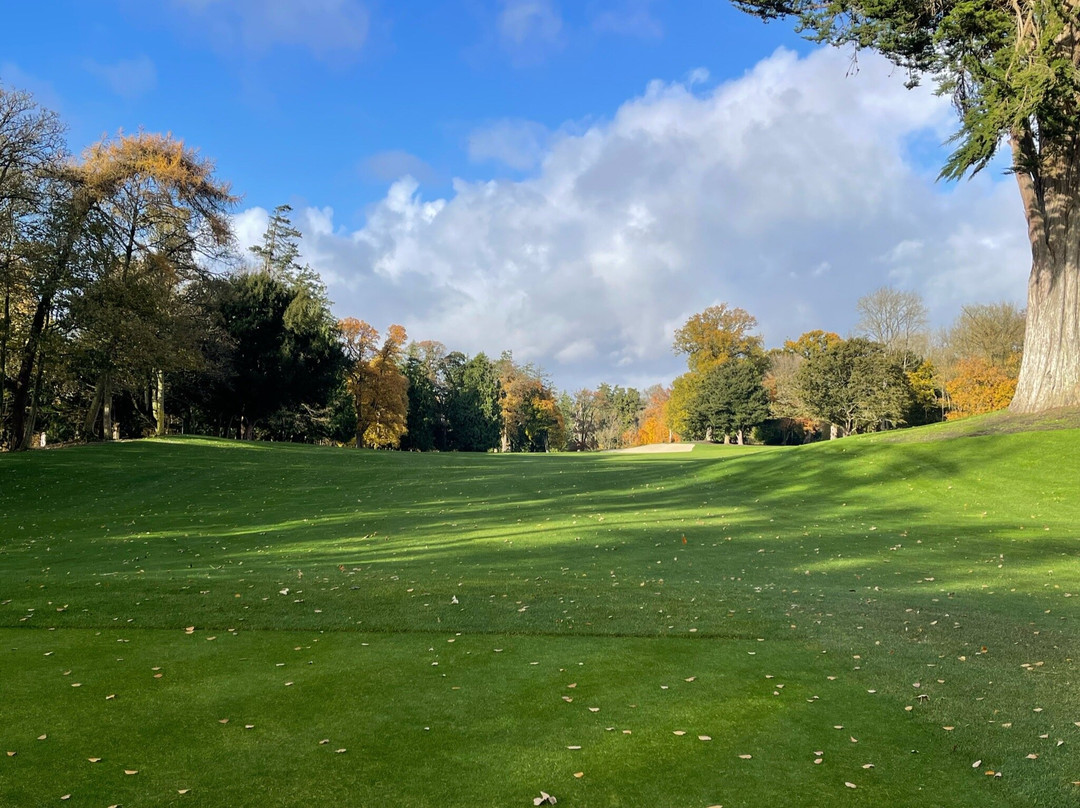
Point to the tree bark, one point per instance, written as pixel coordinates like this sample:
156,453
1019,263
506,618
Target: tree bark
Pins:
1050,190
159,401
106,408
28,434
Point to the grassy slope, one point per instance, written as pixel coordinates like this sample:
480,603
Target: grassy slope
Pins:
846,572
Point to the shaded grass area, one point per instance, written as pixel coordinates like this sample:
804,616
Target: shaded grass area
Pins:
937,568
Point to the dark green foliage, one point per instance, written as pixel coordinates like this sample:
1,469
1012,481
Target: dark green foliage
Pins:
730,400
856,385
278,350
424,419
473,418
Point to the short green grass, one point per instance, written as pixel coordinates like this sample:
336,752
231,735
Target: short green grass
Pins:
223,617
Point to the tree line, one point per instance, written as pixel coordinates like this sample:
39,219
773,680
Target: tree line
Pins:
126,311
891,372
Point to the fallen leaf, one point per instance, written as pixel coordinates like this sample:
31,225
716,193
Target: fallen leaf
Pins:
544,799
976,764
223,721
324,741
850,785
94,760
340,751
677,732
42,737
704,738
948,729
868,765
579,775
1032,756
817,760
66,797
573,747
745,757
131,771
183,790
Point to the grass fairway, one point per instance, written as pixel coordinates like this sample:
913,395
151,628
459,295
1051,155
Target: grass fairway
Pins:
861,623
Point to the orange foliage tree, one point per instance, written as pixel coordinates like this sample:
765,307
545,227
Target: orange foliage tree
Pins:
654,421
979,386
378,387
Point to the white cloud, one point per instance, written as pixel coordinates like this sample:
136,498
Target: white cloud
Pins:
628,18
387,166
528,29
128,78
789,192
325,27
518,144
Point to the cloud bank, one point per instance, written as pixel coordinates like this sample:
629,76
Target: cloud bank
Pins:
791,192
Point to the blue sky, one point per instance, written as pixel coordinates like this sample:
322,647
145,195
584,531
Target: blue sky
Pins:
566,180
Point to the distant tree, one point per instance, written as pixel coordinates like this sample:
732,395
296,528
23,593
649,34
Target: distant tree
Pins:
679,408
473,403
993,333
895,319
581,425
531,419
790,422
729,401
378,387
811,343
280,247
855,386
927,396
425,369
654,419
717,335
979,386
285,352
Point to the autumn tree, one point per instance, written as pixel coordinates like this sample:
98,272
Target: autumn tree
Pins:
654,419
717,335
979,386
378,387
531,418
811,343
1011,69
142,204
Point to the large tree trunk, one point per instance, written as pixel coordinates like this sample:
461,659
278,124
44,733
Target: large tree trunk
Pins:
1050,190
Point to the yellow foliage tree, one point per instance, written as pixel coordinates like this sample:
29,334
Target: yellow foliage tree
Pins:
979,386
718,335
378,387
